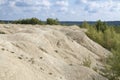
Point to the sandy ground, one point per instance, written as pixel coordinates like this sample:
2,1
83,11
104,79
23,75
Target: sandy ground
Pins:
44,52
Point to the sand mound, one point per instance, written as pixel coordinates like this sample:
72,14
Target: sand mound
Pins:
48,53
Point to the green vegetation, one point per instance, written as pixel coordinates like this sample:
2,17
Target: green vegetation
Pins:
87,62
34,21
100,26
117,29
28,21
85,25
112,69
105,35
51,21
1,22
108,37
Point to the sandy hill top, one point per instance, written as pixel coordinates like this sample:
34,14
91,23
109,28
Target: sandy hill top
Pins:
44,52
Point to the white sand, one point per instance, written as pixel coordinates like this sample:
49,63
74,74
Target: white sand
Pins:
48,53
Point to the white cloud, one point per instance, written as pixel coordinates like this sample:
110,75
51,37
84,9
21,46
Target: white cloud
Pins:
2,2
33,6
100,5
46,4
76,9
84,1
43,3
63,9
72,12
62,3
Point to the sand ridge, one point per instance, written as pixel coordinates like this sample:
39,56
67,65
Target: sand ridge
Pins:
44,52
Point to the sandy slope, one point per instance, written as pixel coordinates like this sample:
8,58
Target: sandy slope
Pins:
48,53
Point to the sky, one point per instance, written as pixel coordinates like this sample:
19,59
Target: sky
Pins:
63,10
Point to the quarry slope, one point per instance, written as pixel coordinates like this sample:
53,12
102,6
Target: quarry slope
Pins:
44,52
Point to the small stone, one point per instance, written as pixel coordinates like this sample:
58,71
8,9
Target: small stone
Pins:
19,57
2,49
56,51
50,73
12,52
70,64
41,57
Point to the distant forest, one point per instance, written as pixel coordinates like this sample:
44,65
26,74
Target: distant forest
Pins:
114,23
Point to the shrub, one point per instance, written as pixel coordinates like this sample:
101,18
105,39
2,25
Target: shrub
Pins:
28,21
112,67
84,25
110,39
87,62
1,22
100,26
51,21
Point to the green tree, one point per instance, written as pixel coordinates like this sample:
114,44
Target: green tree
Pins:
100,26
28,21
84,24
95,35
35,21
109,38
51,21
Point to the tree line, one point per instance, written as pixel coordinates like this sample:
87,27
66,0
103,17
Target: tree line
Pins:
34,21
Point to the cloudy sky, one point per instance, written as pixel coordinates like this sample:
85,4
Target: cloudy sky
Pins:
64,10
